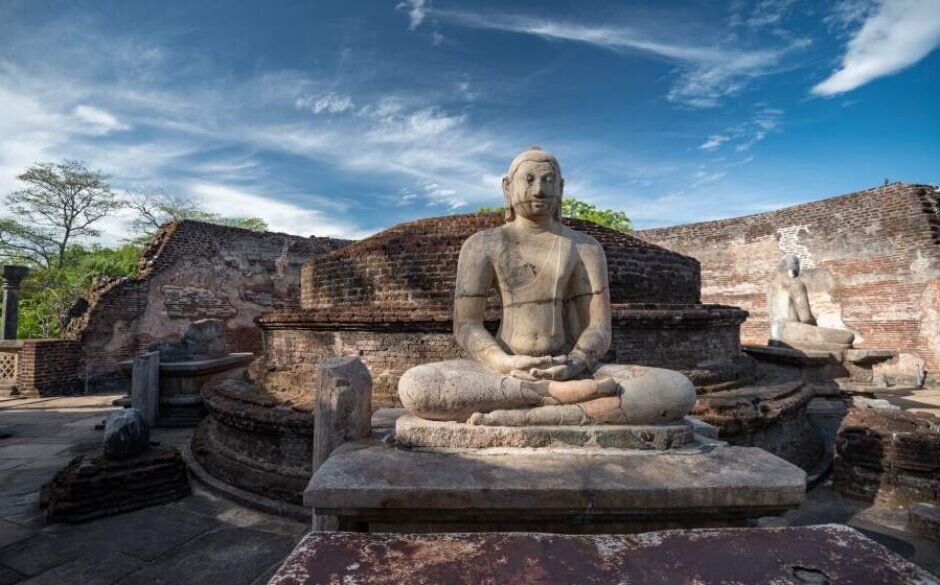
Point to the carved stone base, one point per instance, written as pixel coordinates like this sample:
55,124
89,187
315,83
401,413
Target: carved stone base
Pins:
411,431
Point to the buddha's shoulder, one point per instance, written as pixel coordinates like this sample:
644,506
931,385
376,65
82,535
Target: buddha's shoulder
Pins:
483,241
581,239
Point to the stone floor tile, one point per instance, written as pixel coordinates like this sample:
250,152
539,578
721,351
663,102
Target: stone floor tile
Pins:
23,481
32,450
234,556
87,571
8,576
228,512
11,533
144,534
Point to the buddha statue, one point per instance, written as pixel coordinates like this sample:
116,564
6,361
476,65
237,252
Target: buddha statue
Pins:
543,366
792,323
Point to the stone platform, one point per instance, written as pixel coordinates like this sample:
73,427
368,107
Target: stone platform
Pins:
370,485
411,431
815,554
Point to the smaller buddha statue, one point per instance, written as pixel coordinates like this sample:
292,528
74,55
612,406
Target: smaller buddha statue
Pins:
543,366
792,323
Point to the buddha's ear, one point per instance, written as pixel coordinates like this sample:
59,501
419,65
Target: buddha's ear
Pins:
508,213
561,188
506,188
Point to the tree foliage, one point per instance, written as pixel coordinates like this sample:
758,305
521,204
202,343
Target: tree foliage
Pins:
574,208
156,208
60,203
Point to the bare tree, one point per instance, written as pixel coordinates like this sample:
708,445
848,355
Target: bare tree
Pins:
157,208
60,203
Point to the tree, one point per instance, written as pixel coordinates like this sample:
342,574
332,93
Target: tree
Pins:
60,203
571,207
156,208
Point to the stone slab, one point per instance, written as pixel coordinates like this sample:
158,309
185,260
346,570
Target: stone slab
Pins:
812,554
411,431
504,489
925,520
785,355
869,355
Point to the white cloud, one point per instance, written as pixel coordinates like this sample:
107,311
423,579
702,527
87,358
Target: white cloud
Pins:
331,103
281,216
417,11
898,34
706,73
714,141
98,121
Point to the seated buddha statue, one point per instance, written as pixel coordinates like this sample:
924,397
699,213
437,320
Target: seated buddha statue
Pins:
791,320
543,366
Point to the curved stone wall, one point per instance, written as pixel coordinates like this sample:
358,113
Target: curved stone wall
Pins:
414,265
700,340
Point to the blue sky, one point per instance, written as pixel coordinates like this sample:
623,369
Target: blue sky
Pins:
342,118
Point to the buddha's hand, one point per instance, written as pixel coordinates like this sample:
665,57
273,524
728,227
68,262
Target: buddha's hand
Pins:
519,366
563,368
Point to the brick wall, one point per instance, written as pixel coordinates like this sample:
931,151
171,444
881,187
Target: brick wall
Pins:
49,367
189,271
414,265
871,260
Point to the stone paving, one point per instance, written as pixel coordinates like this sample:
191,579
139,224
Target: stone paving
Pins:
199,539
207,539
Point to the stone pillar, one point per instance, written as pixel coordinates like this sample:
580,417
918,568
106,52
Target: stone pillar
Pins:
145,386
12,276
344,413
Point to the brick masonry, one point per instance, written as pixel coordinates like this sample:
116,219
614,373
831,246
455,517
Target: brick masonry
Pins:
871,259
49,367
189,271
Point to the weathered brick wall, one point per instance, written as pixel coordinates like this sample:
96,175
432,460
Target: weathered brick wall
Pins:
49,367
414,265
871,259
684,338
193,270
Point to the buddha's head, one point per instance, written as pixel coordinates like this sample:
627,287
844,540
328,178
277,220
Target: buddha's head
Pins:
533,186
790,266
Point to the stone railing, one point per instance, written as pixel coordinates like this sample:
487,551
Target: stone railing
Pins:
9,353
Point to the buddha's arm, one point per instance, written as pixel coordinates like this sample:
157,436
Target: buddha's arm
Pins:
801,304
594,306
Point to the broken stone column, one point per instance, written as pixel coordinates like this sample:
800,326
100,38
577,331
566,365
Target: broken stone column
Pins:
12,277
145,386
344,413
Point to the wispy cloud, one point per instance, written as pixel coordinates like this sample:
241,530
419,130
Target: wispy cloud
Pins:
330,103
894,36
706,72
417,11
714,141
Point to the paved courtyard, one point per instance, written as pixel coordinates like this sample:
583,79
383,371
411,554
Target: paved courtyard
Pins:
207,539
200,539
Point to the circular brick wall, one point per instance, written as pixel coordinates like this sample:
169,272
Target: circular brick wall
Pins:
414,265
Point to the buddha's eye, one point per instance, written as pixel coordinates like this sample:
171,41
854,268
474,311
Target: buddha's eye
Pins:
550,179
529,178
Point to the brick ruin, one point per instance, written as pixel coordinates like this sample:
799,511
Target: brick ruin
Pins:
871,259
191,270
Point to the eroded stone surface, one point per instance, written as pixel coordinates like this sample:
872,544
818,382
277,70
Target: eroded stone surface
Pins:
411,431
126,434
888,456
815,554
561,489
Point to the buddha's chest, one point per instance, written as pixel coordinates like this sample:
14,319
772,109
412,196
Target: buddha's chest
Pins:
538,264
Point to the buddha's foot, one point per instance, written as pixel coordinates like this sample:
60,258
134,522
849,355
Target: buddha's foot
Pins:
574,391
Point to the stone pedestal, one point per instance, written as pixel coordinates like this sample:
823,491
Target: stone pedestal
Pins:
374,486
180,383
829,370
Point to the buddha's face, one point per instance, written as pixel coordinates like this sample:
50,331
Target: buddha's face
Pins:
534,190
793,266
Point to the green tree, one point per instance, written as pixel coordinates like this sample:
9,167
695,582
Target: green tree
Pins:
59,204
571,207
156,208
